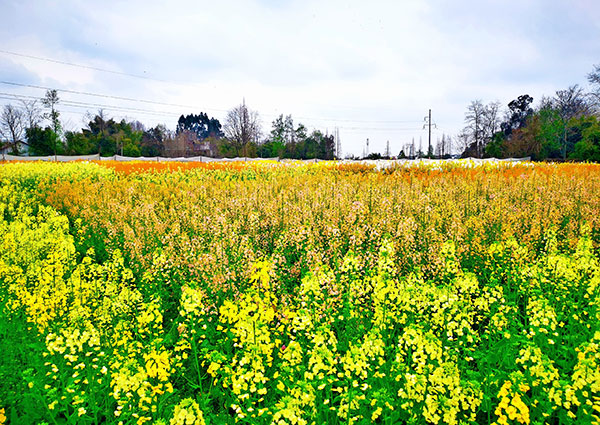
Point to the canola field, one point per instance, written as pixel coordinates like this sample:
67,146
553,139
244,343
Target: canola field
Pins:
322,293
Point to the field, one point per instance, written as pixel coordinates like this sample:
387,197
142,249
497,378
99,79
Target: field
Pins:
299,294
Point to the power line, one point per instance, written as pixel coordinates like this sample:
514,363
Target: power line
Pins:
116,108
170,114
127,74
193,107
359,121
93,68
76,104
382,128
130,99
98,105
108,96
83,111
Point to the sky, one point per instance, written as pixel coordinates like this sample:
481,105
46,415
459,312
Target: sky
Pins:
370,69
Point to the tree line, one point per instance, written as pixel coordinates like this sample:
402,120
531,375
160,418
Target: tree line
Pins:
562,126
36,129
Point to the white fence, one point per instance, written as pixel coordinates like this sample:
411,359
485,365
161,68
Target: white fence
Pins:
65,158
379,163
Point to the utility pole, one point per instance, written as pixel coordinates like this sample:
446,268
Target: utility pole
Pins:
367,146
387,149
428,123
338,144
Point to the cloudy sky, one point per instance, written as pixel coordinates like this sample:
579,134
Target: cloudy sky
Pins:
371,69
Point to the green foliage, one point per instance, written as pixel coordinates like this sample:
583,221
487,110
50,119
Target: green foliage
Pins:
543,136
226,149
43,141
272,149
496,148
196,134
375,156
588,148
316,145
131,148
78,144
110,137
550,132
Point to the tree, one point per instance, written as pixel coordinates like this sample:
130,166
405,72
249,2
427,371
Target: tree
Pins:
176,145
271,149
588,148
482,123
78,144
375,156
327,147
283,130
463,143
137,126
525,141
496,148
491,120
283,139
316,145
31,113
43,141
50,101
550,132
444,147
474,132
594,80
201,125
517,115
12,127
570,103
242,127
110,137
153,141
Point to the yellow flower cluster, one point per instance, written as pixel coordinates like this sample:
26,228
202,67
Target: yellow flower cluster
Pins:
187,412
511,405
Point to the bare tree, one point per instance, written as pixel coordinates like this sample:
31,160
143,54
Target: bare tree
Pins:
483,121
242,126
177,144
475,129
570,103
12,127
32,113
137,126
463,141
491,120
546,102
594,80
444,146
